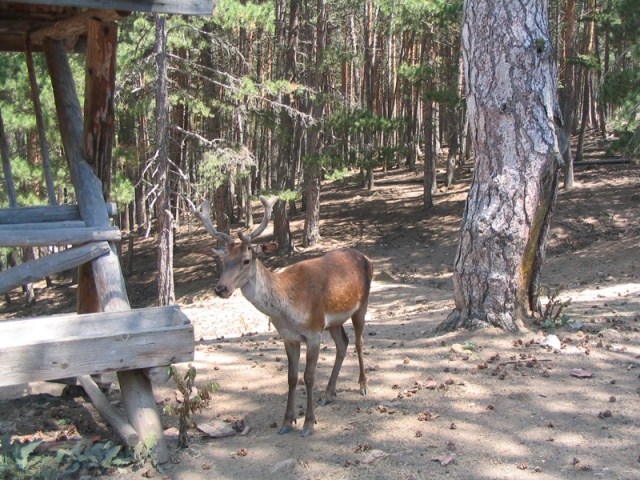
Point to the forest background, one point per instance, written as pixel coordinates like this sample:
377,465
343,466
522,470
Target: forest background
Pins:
276,96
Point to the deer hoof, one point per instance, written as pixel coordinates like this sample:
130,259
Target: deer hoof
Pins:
306,432
285,429
364,391
325,402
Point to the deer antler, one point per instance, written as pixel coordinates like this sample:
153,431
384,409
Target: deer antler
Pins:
268,208
205,217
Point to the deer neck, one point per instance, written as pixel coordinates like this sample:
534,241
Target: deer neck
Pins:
261,289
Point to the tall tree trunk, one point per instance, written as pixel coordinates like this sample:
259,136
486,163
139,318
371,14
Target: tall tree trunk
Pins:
430,151
586,86
567,93
6,166
42,136
312,168
166,292
510,204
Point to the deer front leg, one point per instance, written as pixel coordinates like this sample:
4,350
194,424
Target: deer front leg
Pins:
293,360
313,351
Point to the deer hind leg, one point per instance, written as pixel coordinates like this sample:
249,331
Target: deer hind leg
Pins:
293,360
358,327
342,342
313,351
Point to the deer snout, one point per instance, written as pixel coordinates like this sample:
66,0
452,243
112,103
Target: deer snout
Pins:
221,291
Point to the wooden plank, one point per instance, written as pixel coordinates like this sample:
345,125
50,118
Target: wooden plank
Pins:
51,264
72,325
50,213
43,226
75,356
108,412
43,238
185,7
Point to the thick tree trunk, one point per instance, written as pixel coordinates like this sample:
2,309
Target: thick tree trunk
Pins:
511,99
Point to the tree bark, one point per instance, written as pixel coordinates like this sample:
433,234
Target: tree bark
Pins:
6,166
166,292
312,168
511,100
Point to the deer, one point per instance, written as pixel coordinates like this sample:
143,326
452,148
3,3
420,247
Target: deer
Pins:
302,301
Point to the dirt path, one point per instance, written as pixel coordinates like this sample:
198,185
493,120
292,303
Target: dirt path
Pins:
467,405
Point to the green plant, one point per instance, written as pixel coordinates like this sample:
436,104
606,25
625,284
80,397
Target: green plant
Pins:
471,346
19,460
551,315
24,461
193,400
92,456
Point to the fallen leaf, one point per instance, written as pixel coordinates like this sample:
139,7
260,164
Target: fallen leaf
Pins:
373,455
216,429
443,459
580,373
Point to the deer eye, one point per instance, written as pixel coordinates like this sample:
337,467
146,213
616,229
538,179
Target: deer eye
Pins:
246,261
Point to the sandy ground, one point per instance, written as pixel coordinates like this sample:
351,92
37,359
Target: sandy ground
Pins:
466,405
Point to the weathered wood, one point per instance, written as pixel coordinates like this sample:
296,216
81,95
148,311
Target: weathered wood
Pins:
137,393
72,27
110,414
99,107
106,269
52,213
51,264
186,7
73,345
70,224
43,238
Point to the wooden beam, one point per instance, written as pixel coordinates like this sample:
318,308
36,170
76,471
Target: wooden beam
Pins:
71,28
74,345
43,226
50,265
99,110
59,237
52,213
106,269
42,135
185,7
137,392
108,412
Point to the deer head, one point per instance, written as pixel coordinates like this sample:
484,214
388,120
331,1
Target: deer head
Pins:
238,259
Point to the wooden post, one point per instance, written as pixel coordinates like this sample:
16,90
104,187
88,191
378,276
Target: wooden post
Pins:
135,386
99,129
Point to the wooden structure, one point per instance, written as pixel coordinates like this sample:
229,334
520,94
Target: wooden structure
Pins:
105,334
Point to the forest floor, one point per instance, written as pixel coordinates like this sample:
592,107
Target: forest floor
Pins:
465,405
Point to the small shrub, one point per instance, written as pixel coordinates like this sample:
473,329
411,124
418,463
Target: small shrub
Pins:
190,404
551,316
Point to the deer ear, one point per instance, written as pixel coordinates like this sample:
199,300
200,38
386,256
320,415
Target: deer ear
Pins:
266,248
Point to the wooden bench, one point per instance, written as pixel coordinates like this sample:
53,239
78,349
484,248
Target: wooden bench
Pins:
74,347
70,345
